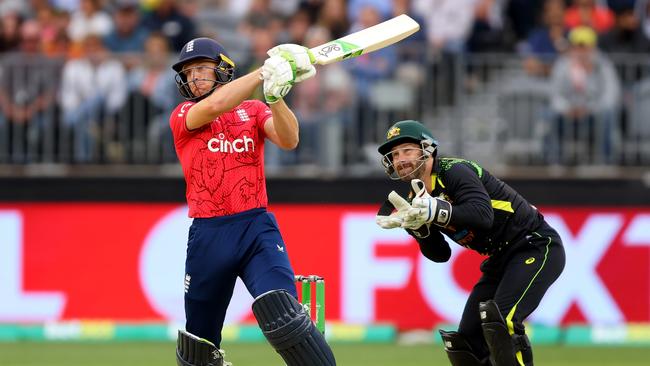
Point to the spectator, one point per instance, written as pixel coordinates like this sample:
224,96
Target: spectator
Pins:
261,15
128,35
19,7
523,16
367,70
261,40
68,6
584,97
51,27
89,19
372,67
626,38
297,26
412,48
322,104
167,19
642,11
449,23
334,17
9,30
282,8
355,7
545,43
28,85
590,14
152,89
93,90
35,6
487,34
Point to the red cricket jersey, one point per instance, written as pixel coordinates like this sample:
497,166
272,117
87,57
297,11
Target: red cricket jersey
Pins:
223,161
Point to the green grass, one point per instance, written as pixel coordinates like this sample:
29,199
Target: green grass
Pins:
162,354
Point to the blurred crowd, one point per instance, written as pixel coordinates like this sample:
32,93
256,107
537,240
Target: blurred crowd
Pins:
89,80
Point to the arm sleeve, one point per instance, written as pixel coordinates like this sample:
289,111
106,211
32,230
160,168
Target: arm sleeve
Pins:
471,205
262,115
177,122
434,246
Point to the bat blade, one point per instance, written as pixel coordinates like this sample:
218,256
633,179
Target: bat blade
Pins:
366,40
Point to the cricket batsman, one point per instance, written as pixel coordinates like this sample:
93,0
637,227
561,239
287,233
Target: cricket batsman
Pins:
460,199
219,138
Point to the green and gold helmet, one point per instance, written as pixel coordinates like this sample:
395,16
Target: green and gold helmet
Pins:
406,131
403,132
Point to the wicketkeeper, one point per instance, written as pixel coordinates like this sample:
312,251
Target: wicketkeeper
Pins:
460,199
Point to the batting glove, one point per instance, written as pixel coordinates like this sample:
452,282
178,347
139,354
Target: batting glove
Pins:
279,75
395,219
426,209
303,57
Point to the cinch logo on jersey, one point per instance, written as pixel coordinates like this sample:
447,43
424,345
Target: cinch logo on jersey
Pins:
220,144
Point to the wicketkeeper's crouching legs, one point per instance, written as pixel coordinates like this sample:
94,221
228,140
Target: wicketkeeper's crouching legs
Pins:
289,329
505,349
459,351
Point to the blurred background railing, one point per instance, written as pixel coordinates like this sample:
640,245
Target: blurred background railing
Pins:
550,87
484,107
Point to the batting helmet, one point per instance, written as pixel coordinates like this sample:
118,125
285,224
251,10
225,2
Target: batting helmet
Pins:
408,131
203,49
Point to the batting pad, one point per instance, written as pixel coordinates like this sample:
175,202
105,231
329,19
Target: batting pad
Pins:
194,351
290,331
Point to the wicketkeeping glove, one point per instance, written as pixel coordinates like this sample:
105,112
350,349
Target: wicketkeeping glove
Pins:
303,57
394,219
426,209
279,75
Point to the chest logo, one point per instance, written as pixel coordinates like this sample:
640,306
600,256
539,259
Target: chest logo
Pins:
243,116
221,144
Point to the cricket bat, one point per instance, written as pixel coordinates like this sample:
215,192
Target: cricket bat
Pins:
366,40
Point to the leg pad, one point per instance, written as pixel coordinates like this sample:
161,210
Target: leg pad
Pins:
459,351
290,331
194,351
503,346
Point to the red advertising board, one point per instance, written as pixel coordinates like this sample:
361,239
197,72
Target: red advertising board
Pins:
124,262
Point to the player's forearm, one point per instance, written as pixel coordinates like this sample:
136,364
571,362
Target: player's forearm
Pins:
434,247
285,124
224,99
232,94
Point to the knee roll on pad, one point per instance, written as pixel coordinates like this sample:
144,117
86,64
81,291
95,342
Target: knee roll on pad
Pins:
459,351
290,331
194,351
503,347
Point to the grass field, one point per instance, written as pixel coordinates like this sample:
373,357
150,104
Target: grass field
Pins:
161,354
